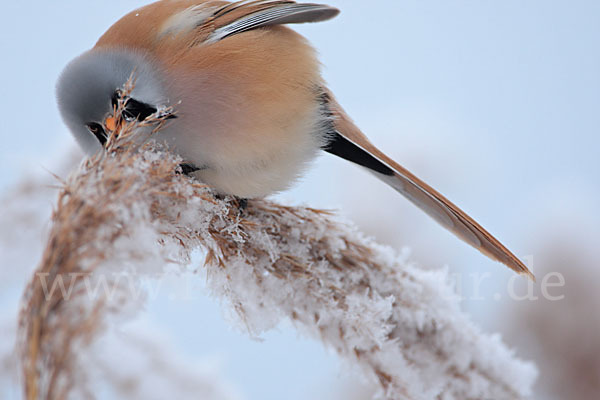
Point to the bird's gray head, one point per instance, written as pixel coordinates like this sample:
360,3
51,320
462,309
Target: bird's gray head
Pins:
89,87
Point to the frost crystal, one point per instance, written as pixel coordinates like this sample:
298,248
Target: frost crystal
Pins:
128,211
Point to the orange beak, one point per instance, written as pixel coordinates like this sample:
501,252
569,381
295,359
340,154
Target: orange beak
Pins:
110,123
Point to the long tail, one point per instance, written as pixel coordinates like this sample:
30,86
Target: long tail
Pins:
349,143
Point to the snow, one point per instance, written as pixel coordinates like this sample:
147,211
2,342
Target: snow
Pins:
398,324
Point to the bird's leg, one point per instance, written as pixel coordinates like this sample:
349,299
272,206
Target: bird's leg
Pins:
187,169
242,204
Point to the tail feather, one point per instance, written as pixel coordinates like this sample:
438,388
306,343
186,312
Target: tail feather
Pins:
350,143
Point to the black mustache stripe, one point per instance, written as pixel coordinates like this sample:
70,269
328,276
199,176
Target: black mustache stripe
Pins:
138,110
134,109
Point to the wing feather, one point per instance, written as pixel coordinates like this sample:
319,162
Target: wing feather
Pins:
212,21
243,16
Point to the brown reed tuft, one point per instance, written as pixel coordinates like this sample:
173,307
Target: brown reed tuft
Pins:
129,210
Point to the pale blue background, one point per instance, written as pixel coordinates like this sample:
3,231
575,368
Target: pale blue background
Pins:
495,103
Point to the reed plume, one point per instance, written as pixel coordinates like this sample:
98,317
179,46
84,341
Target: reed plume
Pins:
128,212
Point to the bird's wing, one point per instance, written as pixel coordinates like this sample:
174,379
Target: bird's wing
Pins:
243,16
350,143
216,20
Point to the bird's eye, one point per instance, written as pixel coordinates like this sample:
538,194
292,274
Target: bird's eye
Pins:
98,131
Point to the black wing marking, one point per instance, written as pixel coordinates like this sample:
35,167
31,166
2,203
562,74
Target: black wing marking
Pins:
343,148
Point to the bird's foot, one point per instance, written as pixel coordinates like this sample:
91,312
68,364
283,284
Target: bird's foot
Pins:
237,202
242,204
187,169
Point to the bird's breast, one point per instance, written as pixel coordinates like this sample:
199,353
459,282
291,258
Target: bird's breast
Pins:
248,109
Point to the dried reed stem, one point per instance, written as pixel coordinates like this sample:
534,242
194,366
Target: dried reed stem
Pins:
128,211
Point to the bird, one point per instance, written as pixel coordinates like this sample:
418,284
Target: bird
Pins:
252,109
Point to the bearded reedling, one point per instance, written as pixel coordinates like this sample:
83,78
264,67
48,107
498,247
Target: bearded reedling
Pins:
252,107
